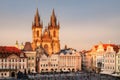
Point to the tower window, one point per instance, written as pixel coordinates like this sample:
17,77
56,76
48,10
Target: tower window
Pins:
37,33
54,34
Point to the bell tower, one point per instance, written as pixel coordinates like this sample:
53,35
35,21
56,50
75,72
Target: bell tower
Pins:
54,27
49,39
37,26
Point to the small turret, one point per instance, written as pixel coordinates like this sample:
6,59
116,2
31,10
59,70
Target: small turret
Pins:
17,44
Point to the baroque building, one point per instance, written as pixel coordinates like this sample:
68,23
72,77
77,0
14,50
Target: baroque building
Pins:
69,60
49,38
12,60
104,56
65,60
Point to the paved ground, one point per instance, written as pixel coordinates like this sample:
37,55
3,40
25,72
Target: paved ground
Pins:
74,76
69,76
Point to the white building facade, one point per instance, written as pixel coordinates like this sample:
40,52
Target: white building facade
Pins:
69,60
65,60
48,63
110,60
12,60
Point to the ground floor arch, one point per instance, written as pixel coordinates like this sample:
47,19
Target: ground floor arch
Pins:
13,74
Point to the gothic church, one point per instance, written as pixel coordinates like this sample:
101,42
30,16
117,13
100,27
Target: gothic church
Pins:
49,38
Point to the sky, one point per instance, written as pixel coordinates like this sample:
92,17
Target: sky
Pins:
83,23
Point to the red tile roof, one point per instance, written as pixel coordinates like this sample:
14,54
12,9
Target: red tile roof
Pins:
6,51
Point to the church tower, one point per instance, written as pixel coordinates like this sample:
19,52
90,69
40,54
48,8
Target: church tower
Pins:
54,27
37,26
49,39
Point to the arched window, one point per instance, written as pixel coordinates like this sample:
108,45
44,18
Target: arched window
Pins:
37,33
46,47
54,34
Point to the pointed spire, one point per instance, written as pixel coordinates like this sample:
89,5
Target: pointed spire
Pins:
37,18
37,12
53,19
53,12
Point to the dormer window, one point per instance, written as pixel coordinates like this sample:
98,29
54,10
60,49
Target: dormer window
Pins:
22,55
109,49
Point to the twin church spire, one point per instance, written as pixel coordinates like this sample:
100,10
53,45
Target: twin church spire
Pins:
38,23
49,38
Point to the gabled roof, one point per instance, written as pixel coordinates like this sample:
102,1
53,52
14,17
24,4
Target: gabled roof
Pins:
115,47
28,47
